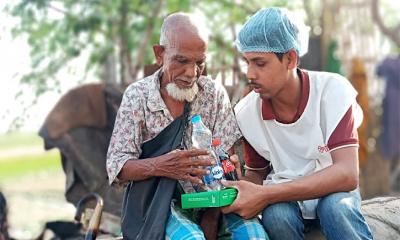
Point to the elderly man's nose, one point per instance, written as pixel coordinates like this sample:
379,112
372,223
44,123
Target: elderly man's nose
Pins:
192,71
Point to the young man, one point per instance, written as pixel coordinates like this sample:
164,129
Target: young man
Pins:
301,138
155,110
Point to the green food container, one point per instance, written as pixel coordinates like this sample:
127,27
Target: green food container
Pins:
219,198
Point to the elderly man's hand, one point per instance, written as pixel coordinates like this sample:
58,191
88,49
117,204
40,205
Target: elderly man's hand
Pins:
184,164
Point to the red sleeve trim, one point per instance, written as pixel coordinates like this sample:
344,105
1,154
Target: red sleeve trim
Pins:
251,158
345,132
341,144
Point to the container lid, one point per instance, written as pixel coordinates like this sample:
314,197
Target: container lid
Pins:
196,118
216,142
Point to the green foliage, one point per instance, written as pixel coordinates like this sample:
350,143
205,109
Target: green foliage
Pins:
60,31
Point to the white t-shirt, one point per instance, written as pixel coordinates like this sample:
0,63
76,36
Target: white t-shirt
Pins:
299,149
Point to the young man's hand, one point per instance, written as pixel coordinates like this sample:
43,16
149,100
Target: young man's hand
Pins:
235,160
250,200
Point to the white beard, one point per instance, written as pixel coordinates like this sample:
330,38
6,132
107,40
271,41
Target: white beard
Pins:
182,94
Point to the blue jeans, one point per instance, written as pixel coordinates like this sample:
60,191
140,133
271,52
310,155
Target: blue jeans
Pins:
339,217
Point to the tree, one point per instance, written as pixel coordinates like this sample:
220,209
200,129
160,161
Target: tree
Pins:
392,32
107,30
116,35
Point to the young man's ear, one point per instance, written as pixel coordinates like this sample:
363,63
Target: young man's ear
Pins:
292,59
159,54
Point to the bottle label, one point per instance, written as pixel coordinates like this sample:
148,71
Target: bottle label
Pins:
228,166
217,172
208,179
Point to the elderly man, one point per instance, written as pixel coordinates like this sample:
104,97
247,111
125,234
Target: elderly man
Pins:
151,138
301,133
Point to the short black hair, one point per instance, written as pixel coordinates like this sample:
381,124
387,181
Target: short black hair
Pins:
280,57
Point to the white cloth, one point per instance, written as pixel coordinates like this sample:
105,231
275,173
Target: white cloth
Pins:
298,149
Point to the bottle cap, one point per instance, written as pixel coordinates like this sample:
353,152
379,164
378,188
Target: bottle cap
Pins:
196,118
216,142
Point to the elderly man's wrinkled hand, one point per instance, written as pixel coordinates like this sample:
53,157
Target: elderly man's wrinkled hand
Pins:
184,165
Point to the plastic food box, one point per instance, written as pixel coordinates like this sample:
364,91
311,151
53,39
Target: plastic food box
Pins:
218,198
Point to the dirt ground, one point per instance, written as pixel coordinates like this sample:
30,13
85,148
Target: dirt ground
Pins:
35,199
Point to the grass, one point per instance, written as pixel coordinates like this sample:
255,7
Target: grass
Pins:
22,165
25,163
19,139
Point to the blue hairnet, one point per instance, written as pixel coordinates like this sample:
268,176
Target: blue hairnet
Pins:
273,30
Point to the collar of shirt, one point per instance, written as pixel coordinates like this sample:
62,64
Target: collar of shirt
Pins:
266,108
155,101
